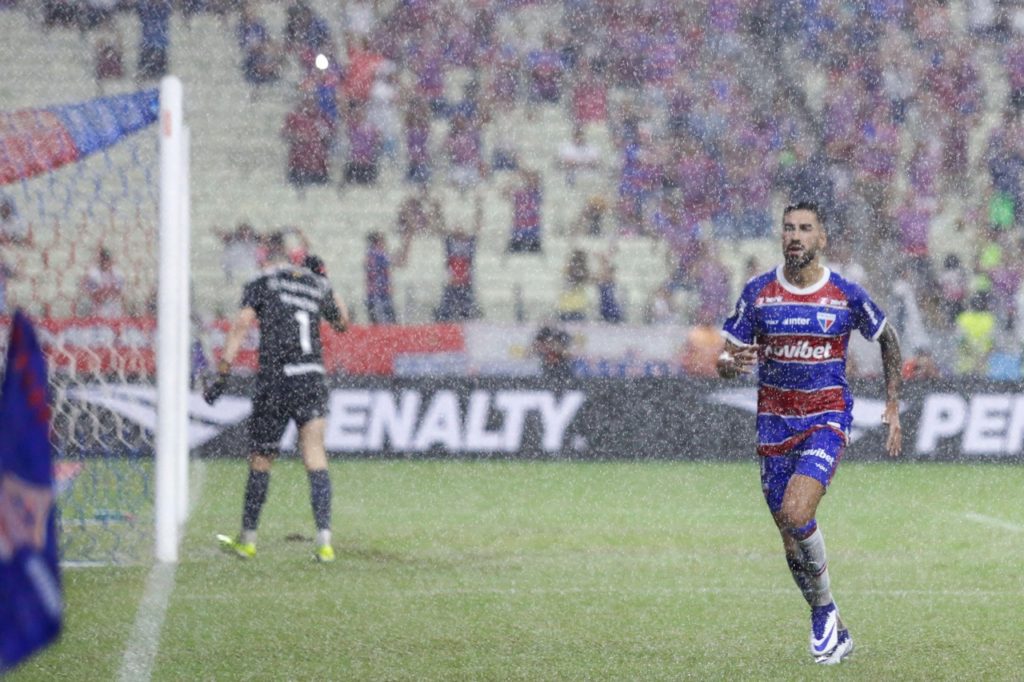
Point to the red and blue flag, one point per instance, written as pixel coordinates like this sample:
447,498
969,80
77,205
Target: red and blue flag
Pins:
31,605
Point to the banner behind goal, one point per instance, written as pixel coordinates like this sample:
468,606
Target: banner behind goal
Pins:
80,226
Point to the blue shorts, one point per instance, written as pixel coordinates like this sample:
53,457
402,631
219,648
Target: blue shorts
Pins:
816,456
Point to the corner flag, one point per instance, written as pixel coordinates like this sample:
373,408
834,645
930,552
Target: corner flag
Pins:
30,593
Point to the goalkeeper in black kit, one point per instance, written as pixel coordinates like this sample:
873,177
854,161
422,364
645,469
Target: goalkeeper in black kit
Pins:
289,302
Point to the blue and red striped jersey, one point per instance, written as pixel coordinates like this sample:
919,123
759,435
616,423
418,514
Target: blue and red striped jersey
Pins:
803,336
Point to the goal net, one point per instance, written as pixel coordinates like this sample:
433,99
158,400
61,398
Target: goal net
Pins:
80,214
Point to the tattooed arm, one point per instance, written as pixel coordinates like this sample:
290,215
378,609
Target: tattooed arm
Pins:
892,363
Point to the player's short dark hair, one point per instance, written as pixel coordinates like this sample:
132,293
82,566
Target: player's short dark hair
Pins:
275,245
811,206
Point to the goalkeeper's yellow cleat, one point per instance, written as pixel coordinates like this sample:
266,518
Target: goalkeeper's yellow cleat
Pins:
324,554
244,550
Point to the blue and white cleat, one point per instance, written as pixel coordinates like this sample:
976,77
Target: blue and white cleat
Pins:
824,630
843,648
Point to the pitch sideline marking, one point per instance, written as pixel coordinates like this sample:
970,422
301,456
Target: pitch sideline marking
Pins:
144,642
993,521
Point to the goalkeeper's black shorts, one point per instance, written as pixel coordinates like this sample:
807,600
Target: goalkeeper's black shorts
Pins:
280,399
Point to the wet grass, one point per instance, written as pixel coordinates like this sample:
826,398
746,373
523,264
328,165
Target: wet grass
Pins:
541,571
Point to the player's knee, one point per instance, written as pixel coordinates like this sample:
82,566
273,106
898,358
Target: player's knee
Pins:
799,531
795,517
261,461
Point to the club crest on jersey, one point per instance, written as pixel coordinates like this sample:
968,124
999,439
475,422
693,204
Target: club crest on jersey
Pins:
826,320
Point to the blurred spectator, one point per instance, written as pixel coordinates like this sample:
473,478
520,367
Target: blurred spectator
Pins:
361,71
546,71
379,303
306,32
905,313
458,299
607,292
423,56
713,285
464,152
1005,275
364,147
589,95
572,301
505,76
108,52
747,193
698,178
504,154
577,155
261,56
240,259
638,178
59,13
920,365
953,283
103,288
155,18
526,198
420,214
417,141
551,345
592,217
681,234
13,228
976,328
382,109
309,134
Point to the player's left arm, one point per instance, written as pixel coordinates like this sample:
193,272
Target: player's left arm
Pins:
342,322
892,362
236,334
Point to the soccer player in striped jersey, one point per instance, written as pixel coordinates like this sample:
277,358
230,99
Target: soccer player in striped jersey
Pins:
794,324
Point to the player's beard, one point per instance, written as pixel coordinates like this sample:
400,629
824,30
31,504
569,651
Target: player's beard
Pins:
798,261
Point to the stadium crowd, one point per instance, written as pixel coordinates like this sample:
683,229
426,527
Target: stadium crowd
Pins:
885,113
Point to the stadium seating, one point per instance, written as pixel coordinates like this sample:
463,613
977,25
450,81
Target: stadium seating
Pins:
238,172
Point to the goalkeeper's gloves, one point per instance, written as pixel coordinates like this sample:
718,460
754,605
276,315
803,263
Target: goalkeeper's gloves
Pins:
213,387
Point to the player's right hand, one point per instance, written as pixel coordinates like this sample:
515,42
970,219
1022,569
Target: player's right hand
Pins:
736,360
213,387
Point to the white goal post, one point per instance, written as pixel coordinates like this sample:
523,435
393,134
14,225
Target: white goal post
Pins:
172,371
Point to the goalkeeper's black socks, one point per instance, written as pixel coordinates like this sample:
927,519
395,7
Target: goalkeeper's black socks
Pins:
320,497
255,496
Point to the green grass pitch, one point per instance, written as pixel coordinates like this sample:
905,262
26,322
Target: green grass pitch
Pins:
572,571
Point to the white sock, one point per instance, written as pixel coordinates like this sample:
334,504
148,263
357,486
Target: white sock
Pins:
248,537
323,537
812,554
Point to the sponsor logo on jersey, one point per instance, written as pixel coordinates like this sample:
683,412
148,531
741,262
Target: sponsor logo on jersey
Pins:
801,350
826,320
797,320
